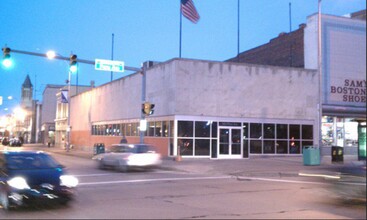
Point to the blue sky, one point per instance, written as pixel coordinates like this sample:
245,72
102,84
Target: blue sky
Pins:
143,30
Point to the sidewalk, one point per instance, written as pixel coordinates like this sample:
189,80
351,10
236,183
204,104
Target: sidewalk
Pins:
288,165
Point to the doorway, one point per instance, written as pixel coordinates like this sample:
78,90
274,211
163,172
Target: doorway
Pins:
230,142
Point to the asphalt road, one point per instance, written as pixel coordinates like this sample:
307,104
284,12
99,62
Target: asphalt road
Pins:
161,194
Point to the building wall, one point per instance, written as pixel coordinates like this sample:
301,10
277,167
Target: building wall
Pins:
285,50
343,47
199,88
49,103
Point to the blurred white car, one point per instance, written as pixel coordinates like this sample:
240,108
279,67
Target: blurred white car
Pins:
124,157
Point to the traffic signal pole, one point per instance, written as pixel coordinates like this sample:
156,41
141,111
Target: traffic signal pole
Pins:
143,91
92,62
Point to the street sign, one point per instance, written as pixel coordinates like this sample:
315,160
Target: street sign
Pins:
109,65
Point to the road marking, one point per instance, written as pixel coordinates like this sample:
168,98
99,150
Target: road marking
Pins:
154,180
279,180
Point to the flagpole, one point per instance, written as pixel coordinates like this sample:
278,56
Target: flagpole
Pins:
238,30
180,30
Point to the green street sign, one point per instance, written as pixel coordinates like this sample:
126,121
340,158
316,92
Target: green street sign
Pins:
109,65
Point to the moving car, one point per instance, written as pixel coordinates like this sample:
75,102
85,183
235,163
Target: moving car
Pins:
33,177
124,157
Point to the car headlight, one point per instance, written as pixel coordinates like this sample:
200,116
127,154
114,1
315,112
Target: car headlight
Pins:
69,181
18,183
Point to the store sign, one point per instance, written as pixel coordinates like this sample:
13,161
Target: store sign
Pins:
351,91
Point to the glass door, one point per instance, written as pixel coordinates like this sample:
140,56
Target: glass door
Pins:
230,143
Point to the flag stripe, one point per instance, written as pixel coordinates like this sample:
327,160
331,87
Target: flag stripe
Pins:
189,11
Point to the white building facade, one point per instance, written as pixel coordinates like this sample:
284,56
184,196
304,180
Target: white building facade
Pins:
204,109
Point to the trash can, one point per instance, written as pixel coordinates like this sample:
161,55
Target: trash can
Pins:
337,154
311,155
98,148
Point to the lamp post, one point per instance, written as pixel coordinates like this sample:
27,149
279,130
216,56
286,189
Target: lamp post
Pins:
319,57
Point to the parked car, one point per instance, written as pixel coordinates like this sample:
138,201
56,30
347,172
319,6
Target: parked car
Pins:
15,142
124,157
33,177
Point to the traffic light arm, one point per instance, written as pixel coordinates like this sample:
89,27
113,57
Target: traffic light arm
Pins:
92,62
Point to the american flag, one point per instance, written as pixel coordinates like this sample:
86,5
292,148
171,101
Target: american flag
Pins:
189,11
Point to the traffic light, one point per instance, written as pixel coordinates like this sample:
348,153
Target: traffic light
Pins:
147,108
73,63
6,62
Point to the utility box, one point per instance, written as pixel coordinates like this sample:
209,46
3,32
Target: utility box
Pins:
337,154
311,156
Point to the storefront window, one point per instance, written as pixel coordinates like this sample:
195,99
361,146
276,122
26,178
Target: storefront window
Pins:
255,147
282,131
202,129
269,131
294,131
269,147
282,147
158,129
202,147
307,132
214,129
255,130
341,132
185,146
185,129
165,127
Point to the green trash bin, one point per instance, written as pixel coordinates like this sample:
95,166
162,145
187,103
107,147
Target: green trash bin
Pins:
311,156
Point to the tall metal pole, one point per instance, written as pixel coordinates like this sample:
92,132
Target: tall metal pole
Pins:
112,54
180,43
319,55
143,91
68,129
238,30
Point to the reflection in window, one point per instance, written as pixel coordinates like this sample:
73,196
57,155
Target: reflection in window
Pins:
202,129
269,131
185,146
294,147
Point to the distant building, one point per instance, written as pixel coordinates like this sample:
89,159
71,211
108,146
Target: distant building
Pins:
48,114
26,125
62,104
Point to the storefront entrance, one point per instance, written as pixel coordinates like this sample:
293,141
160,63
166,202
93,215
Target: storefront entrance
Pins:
230,142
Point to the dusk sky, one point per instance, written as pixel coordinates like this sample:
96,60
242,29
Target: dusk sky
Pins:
143,30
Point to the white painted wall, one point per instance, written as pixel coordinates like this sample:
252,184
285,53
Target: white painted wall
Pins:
203,88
